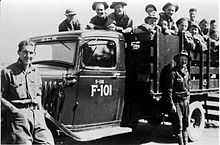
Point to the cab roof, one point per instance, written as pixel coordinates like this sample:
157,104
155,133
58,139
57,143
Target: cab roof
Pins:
77,35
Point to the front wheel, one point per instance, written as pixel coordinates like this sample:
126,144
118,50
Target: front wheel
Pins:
196,121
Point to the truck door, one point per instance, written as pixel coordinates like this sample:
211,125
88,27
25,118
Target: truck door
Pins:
100,84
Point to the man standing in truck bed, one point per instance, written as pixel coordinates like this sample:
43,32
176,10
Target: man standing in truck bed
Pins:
178,96
21,100
70,23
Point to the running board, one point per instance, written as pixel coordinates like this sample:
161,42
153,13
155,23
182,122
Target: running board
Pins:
94,134
88,135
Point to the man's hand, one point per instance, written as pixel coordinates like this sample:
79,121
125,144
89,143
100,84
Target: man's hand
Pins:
127,30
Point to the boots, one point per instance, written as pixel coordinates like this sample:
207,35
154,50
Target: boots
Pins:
185,137
180,139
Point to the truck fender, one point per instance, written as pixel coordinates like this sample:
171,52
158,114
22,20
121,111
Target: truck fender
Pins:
65,130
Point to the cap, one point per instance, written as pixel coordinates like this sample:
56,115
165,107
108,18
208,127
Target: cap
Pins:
182,53
170,4
69,12
150,6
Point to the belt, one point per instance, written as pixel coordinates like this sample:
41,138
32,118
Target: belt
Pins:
180,96
32,106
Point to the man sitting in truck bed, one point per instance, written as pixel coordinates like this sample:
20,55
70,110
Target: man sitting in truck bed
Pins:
101,20
122,22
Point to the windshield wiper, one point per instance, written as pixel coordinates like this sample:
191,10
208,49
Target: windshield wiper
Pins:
65,45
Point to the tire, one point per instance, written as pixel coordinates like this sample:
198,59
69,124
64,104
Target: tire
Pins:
196,121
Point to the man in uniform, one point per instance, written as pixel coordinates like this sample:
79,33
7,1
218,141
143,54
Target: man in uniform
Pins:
21,100
178,96
70,23
121,20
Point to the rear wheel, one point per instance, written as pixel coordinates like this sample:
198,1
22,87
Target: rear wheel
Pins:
196,121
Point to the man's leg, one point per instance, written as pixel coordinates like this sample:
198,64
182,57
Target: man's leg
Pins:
180,123
185,121
42,134
19,128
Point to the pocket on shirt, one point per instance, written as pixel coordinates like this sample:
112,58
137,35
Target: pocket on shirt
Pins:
19,88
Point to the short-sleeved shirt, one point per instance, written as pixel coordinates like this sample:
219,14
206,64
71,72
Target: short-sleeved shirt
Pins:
18,85
101,22
178,82
122,21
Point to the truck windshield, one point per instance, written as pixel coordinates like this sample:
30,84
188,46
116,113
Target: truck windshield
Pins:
58,50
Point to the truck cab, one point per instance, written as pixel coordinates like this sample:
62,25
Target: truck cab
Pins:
83,75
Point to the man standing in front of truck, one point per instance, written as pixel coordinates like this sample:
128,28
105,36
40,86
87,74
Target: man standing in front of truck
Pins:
178,96
21,100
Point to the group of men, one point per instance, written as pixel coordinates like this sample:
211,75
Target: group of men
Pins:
121,22
21,82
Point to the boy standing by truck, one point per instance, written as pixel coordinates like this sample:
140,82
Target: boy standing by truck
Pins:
178,95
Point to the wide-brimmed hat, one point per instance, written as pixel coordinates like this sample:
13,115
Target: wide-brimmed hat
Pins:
150,5
69,12
182,53
170,4
95,4
116,3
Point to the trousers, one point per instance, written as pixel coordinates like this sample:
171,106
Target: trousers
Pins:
180,118
27,126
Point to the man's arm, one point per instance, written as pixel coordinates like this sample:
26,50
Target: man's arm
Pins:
170,90
5,79
6,105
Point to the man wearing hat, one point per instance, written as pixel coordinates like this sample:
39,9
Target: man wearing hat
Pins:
121,20
178,96
150,9
21,100
70,23
149,28
169,10
182,25
101,20
199,41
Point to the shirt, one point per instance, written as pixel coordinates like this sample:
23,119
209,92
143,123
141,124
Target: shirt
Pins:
101,22
18,85
69,26
121,21
178,82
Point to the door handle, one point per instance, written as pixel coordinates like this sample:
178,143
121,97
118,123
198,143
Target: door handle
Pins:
116,75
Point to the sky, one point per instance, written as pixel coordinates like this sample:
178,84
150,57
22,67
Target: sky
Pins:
21,19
